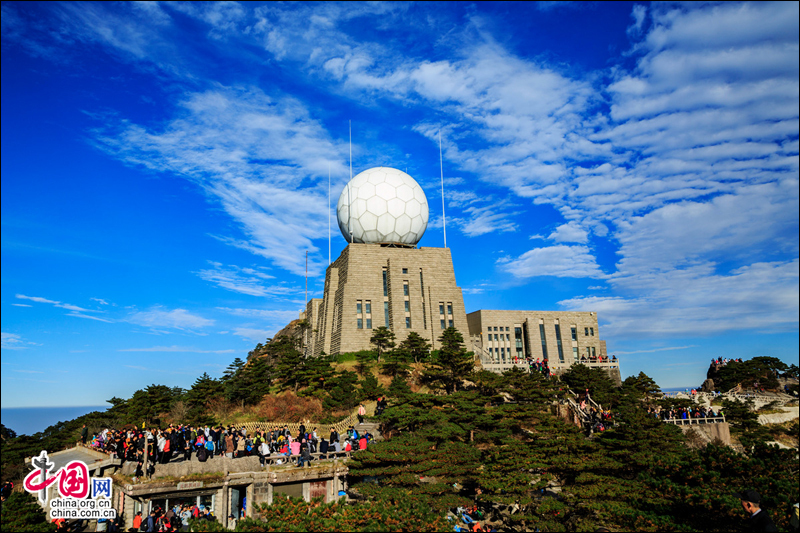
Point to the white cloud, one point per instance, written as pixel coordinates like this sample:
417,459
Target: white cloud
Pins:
55,303
560,261
249,281
81,315
284,316
697,301
100,301
654,350
12,341
570,232
253,334
181,349
160,318
261,158
21,305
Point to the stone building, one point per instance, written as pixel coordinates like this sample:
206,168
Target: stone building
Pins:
371,285
562,338
228,486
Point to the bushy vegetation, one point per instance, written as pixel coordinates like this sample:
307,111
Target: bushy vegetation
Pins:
758,372
494,439
21,512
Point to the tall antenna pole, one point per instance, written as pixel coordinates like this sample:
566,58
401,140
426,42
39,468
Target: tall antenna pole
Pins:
349,204
329,214
306,276
441,170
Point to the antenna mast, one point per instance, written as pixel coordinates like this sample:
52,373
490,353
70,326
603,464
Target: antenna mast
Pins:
329,214
306,276
349,204
441,170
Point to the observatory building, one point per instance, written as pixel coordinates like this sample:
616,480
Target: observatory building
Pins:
382,279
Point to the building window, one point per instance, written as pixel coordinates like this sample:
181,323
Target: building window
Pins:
408,322
508,337
421,284
594,354
588,352
544,342
385,284
386,313
496,337
591,332
575,352
368,307
360,323
558,344
369,323
405,271
408,306
449,309
585,332
443,324
358,307
574,333
450,323
405,288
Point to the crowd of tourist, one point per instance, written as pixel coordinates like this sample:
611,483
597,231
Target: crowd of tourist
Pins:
181,442
540,366
175,518
723,361
685,413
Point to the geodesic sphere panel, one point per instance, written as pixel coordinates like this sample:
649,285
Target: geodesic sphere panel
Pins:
383,205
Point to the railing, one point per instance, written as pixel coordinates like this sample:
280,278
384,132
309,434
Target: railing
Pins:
609,363
696,420
294,427
277,459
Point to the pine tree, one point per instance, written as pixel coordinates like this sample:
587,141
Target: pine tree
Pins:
383,340
344,394
452,363
416,347
204,389
288,370
21,512
398,388
365,360
370,388
394,363
317,376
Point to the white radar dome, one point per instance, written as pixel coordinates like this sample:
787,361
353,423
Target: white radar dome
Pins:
383,205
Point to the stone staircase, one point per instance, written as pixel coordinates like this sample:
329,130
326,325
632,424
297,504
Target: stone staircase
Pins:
371,426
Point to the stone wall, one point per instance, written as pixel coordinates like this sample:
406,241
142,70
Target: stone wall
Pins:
482,325
357,276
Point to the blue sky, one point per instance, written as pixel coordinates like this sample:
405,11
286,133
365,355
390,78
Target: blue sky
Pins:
165,170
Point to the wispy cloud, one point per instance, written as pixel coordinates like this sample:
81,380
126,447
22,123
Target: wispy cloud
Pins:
666,349
253,334
251,281
12,341
55,303
160,318
560,261
186,349
261,157
81,315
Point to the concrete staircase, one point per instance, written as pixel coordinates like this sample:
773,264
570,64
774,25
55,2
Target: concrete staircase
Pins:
372,427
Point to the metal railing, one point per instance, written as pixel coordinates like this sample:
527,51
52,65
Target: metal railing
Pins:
696,420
